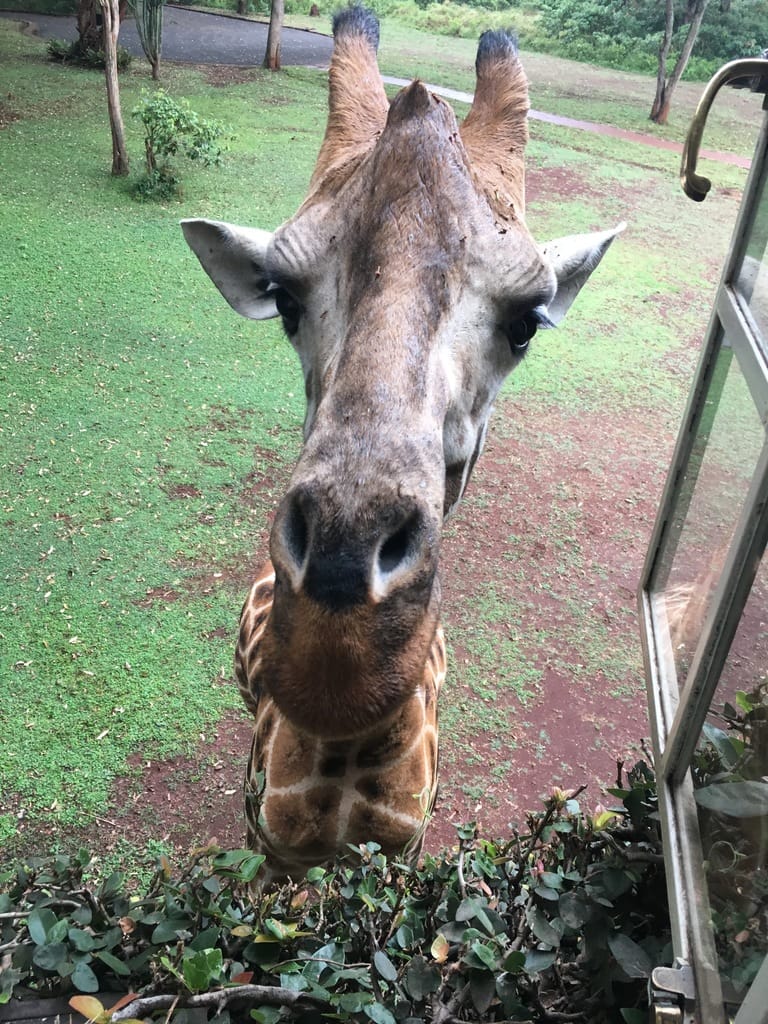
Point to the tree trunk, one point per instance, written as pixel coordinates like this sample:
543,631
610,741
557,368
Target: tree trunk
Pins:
661,74
272,56
90,29
666,86
111,13
89,25
242,6
149,25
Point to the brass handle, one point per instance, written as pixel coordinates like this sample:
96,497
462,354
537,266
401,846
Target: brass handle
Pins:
696,185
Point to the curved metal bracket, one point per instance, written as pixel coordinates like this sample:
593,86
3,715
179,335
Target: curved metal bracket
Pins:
696,186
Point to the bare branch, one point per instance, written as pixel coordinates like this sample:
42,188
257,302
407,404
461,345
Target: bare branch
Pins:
259,995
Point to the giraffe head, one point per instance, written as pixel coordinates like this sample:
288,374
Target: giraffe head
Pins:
410,287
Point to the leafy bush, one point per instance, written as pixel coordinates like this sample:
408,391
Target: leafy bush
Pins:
64,52
569,912
171,129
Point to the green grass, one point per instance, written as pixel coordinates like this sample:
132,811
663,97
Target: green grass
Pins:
135,407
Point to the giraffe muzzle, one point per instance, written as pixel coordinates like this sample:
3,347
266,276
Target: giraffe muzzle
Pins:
342,556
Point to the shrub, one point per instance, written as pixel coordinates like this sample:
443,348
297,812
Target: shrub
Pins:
63,52
171,129
569,912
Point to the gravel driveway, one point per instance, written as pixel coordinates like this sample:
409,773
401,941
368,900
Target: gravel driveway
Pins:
199,38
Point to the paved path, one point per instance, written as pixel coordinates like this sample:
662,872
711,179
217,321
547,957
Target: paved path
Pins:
200,38
196,37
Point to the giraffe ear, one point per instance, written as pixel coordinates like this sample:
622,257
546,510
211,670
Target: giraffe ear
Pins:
234,259
573,259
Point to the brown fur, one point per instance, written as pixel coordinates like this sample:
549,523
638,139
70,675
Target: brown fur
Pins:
495,133
308,797
357,112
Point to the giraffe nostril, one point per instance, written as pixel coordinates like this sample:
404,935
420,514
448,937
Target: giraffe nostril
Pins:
398,548
394,550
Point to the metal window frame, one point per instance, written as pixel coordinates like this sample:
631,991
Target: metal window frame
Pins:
677,713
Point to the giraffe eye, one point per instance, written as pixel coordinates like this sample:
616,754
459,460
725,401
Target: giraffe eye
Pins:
520,332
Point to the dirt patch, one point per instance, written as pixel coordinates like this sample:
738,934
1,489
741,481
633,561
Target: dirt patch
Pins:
186,801
220,76
7,115
547,183
184,491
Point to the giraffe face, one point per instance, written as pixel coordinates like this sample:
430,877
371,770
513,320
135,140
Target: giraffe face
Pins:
410,287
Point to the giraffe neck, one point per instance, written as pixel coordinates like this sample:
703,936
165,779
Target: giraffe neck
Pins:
308,797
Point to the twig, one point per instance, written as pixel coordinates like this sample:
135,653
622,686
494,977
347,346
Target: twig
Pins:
14,915
171,1008
445,1013
107,820
460,873
634,856
260,995
522,928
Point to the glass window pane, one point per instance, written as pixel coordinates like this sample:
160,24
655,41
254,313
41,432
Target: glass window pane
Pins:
730,773
752,278
709,501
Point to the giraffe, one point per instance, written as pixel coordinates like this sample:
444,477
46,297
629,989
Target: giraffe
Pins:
307,795
410,287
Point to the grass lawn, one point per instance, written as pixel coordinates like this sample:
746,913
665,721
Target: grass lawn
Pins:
145,431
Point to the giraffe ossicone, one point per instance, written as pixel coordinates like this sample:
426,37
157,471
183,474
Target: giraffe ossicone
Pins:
410,287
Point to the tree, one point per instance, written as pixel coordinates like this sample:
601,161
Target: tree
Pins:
272,56
149,25
111,15
90,29
666,84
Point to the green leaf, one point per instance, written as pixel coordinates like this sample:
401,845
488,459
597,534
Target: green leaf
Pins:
542,928
379,1013
112,885
293,982
551,880
470,907
113,963
537,960
421,978
482,988
735,799
50,956
206,939
546,893
514,962
39,924
84,979
632,959
486,954
575,909
266,1015
168,930
353,1002
82,941
201,969
744,703
384,966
